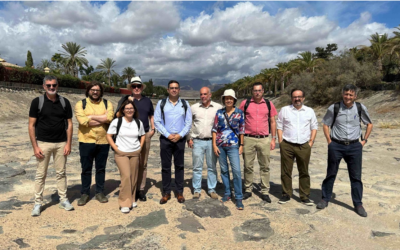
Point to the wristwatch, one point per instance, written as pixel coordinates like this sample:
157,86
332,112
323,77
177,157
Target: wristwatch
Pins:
241,144
273,137
365,140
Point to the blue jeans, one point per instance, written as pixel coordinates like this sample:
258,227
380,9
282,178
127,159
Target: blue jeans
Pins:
201,149
232,153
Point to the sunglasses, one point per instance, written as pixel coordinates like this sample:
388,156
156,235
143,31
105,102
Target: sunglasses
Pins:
136,86
51,85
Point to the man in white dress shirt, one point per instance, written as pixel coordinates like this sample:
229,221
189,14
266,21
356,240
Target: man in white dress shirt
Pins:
297,127
200,139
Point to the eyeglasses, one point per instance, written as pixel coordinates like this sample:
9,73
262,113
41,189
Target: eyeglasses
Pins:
136,86
51,85
174,88
95,90
131,109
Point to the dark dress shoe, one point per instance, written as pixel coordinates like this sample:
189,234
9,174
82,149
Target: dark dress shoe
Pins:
141,196
165,198
83,200
180,198
101,198
265,197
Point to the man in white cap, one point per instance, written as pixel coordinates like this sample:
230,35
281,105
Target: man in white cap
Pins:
146,115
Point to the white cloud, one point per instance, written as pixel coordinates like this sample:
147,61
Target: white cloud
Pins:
151,37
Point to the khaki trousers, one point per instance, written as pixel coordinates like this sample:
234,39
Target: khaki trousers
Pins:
302,153
261,147
57,150
128,165
144,155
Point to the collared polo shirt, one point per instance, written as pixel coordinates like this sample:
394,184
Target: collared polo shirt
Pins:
50,123
93,134
297,124
175,120
347,124
256,117
145,109
203,119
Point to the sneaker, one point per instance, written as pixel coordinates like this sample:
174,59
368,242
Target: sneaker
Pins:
196,195
141,196
265,197
101,198
66,205
226,198
361,211
83,200
239,205
307,202
125,210
284,199
322,204
214,195
134,204
247,195
36,210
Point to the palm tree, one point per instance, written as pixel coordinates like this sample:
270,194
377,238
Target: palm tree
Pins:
283,71
106,68
73,57
379,48
307,62
45,64
128,73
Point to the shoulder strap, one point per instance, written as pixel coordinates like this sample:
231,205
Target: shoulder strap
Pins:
246,105
335,112
269,114
62,101
227,121
118,126
137,123
359,110
84,104
105,102
162,105
184,104
41,101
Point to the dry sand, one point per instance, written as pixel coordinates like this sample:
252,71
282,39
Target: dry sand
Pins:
189,226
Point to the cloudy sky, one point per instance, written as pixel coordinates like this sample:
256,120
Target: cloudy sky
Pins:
219,41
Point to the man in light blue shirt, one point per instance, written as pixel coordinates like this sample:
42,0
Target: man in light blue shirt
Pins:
173,119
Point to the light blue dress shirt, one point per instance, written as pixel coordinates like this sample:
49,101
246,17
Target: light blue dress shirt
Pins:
175,120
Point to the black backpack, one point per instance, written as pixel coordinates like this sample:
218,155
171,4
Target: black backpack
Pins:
246,105
336,109
162,105
119,123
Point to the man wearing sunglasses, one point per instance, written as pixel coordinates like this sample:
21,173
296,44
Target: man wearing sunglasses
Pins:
50,132
146,115
94,115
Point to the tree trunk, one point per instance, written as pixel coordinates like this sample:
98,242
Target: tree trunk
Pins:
282,85
276,88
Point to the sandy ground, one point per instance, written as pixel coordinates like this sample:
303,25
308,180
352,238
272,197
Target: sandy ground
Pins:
175,226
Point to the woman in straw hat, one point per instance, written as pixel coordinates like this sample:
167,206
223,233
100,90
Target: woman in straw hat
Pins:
228,133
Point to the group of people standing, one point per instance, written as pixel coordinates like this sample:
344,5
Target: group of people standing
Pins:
213,131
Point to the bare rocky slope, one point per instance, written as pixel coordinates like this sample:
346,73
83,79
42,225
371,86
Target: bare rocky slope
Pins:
203,224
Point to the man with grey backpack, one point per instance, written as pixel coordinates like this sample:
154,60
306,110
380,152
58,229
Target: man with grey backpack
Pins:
50,132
